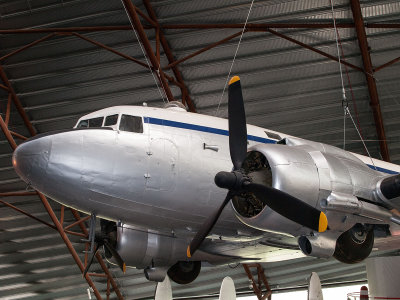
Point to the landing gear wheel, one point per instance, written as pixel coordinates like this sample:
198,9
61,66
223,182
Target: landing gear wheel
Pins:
184,272
354,245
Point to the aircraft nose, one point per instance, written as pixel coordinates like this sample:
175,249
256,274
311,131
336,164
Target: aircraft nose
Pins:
31,158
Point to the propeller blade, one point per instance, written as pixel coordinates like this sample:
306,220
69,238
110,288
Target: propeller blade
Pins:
289,206
116,255
90,260
237,123
206,228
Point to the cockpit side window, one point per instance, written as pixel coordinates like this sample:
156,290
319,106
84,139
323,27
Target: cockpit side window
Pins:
95,122
131,124
83,124
111,120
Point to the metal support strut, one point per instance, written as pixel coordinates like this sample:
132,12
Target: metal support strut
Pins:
261,280
58,223
369,75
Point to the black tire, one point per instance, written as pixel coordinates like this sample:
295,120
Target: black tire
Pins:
350,251
184,272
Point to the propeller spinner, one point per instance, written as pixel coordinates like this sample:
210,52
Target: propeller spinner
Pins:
237,181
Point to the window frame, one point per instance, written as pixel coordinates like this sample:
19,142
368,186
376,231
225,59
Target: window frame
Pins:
114,126
129,115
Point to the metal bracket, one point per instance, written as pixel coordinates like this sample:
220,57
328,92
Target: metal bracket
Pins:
210,147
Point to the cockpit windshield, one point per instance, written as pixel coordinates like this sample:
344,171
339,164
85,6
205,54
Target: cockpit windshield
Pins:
95,122
126,123
111,120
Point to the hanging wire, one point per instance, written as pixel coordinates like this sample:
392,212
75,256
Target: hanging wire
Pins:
362,140
162,94
344,99
234,57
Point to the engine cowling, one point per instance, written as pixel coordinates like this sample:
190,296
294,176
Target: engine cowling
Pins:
351,246
143,249
158,254
308,171
285,168
155,253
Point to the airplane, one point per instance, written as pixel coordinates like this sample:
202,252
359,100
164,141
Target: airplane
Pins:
161,179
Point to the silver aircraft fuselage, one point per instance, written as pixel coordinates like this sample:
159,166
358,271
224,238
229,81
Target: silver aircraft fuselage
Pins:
161,178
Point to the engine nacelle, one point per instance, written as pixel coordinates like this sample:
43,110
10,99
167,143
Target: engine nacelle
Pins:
159,254
144,249
388,191
308,171
351,246
354,245
284,168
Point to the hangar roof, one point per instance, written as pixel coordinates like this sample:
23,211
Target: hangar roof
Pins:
286,87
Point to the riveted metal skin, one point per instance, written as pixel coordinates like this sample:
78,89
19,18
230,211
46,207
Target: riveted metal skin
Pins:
162,179
312,172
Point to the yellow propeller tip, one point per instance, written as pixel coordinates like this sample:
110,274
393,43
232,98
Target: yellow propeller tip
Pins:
124,268
323,222
234,79
188,252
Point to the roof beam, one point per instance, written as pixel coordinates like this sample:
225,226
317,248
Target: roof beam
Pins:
393,61
369,75
170,56
342,61
17,102
134,18
276,25
198,26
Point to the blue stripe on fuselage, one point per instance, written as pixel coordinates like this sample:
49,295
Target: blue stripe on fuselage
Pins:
387,171
203,129
254,138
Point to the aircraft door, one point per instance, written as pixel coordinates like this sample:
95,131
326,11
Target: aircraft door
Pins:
162,164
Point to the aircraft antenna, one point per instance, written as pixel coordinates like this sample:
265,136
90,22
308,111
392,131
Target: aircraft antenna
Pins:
345,103
234,57
162,94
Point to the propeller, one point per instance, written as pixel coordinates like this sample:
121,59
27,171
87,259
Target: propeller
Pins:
237,182
104,239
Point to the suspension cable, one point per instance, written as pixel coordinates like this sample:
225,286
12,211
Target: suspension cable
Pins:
162,94
234,57
344,99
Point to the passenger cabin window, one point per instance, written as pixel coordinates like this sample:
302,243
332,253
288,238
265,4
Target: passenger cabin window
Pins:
95,122
111,120
131,124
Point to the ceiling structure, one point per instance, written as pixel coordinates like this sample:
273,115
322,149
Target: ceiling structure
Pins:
61,59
